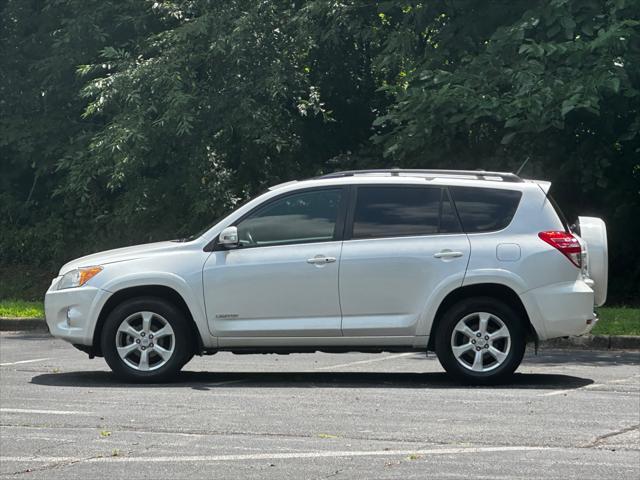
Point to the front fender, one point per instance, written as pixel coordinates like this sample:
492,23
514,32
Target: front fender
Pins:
194,303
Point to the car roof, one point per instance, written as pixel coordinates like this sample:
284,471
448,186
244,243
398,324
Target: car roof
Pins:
476,178
426,173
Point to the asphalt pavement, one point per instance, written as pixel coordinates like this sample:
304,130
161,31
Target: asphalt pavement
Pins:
567,414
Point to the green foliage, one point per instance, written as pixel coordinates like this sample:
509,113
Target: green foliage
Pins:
132,121
618,321
21,309
41,45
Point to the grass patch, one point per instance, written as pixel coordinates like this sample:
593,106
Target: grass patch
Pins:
618,321
21,309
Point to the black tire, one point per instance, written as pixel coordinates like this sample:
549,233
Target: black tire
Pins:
443,342
182,333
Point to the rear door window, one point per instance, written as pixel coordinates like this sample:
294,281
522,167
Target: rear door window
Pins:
485,209
389,211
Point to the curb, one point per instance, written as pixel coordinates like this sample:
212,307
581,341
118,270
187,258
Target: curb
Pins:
586,342
595,342
23,325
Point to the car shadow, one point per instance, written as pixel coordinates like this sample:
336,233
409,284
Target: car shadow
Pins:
212,380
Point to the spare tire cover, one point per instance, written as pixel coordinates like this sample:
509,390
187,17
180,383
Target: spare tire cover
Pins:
594,231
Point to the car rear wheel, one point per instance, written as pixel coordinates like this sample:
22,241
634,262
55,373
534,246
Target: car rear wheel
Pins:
481,341
146,340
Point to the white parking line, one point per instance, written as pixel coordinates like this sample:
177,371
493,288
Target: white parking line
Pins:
379,359
276,456
24,361
44,412
559,392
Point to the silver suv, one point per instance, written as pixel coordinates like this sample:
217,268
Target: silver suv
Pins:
471,264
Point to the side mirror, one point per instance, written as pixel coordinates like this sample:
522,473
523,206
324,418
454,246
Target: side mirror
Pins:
228,237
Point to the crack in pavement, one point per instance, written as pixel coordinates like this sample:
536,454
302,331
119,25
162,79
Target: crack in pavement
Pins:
55,465
65,463
601,438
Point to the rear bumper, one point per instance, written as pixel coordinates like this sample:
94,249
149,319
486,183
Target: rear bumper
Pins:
561,310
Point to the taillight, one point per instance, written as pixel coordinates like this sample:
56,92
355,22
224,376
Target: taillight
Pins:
568,245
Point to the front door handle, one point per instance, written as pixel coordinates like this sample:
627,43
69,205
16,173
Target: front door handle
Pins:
448,254
321,260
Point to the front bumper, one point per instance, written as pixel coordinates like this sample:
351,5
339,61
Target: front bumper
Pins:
72,314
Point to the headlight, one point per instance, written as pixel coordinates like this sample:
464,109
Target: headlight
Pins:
78,277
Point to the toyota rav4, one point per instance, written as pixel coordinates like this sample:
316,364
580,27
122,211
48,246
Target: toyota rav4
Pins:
469,264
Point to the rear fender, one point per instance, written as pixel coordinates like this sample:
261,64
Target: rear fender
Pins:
515,283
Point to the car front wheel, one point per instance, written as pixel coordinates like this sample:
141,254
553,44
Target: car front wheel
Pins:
480,341
146,340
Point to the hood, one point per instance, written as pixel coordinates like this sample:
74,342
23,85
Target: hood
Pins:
121,254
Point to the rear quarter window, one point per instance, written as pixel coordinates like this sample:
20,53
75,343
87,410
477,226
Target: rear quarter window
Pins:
485,209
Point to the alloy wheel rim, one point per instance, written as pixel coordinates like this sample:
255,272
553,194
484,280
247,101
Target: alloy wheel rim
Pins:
145,341
480,342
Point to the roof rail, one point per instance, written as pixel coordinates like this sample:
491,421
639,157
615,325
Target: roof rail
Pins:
478,174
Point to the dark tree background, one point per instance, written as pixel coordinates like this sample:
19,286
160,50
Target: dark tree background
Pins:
130,121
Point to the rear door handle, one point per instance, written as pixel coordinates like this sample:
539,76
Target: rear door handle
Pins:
448,254
321,260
